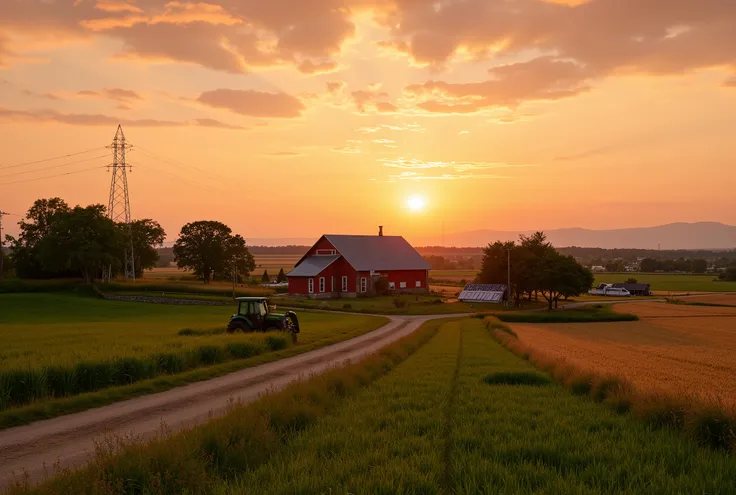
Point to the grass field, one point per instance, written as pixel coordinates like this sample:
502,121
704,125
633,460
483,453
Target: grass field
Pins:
57,345
460,415
390,305
436,425
662,282
679,350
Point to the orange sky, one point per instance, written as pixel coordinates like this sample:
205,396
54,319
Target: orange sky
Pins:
292,118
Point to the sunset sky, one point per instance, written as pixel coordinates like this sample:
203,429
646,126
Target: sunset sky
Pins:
291,118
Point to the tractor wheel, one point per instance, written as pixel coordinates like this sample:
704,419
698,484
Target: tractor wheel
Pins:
237,325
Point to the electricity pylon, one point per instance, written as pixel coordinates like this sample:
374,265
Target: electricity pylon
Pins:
119,205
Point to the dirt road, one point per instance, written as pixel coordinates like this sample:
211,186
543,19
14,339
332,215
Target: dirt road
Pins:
67,441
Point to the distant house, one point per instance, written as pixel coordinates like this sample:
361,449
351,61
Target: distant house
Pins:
635,289
597,268
350,265
492,293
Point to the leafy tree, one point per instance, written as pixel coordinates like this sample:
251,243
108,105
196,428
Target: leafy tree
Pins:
281,277
83,241
730,274
380,286
33,229
562,276
265,277
698,266
209,249
631,280
648,265
147,235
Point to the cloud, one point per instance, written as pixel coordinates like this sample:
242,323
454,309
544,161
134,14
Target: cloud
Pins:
253,103
391,127
543,78
416,164
115,94
418,176
309,67
53,116
730,82
226,35
350,147
336,87
596,39
372,99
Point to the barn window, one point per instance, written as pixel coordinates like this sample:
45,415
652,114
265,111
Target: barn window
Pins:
332,284
321,284
392,285
311,285
363,284
344,284
402,285
419,283
325,252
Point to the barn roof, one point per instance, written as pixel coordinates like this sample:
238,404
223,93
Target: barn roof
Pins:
312,266
482,293
376,252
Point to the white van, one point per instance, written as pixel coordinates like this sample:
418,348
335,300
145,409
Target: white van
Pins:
617,292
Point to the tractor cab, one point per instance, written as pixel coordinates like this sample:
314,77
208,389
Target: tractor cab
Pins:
254,315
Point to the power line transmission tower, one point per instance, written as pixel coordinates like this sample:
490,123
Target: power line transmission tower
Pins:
2,243
119,204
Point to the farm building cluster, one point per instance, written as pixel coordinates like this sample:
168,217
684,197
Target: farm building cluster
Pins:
351,265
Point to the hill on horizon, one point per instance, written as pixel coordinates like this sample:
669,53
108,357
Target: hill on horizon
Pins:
680,235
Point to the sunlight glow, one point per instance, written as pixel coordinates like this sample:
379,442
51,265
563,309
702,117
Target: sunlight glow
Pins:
415,203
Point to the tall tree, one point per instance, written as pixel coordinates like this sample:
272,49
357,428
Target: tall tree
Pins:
82,240
281,277
208,248
147,235
265,278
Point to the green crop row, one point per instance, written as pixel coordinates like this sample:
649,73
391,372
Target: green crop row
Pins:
584,314
194,460
23,386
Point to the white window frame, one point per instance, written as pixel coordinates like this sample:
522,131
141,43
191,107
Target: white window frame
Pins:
402,285
332,283
321,284
392,286
419,284
363,284
311,285
344,283
326,252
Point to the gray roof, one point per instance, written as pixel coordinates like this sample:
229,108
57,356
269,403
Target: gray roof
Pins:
632,286
374,252
312,266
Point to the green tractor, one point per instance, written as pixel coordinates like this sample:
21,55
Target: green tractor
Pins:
254,315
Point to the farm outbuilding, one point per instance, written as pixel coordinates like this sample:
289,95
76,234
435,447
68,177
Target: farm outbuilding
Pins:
494,293
635,289
350,265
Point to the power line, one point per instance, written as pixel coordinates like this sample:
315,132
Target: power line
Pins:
53,176
176,164
189,182
51,159
55,166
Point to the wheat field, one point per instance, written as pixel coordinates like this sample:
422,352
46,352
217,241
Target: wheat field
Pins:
679,350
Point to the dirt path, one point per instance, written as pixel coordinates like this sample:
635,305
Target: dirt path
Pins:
34,450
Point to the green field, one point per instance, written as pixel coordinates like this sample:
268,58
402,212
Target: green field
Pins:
670,283
460,415
57,345
390,305
436,425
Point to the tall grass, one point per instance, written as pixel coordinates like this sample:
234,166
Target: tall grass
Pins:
21,386
585,314
710,423
225,448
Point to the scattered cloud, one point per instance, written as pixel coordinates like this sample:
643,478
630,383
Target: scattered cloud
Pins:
415,176
730,82
52,116
391,127
336,87
461,133
311,68
373,99
253,103
416,164
350,147
115,94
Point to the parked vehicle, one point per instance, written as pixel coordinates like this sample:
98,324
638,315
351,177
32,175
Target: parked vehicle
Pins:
254,315
609,290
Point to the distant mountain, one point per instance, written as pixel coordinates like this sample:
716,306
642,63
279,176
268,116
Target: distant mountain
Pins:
700,235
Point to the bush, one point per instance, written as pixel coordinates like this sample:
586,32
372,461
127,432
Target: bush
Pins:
347,306
399,303
380,286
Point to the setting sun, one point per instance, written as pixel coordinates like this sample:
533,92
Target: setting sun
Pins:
415,203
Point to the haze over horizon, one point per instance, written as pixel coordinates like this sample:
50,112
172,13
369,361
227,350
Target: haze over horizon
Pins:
289,119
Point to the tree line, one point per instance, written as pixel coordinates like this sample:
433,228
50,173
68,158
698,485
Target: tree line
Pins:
536,268
697,265
58,241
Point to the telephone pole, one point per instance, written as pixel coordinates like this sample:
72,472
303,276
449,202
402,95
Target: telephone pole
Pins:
2,243
118,208
508,302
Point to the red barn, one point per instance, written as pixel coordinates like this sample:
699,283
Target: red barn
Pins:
349,265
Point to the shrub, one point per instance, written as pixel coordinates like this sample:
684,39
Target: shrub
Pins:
347,306
399,303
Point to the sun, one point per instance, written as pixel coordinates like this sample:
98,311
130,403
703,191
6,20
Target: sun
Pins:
416,203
